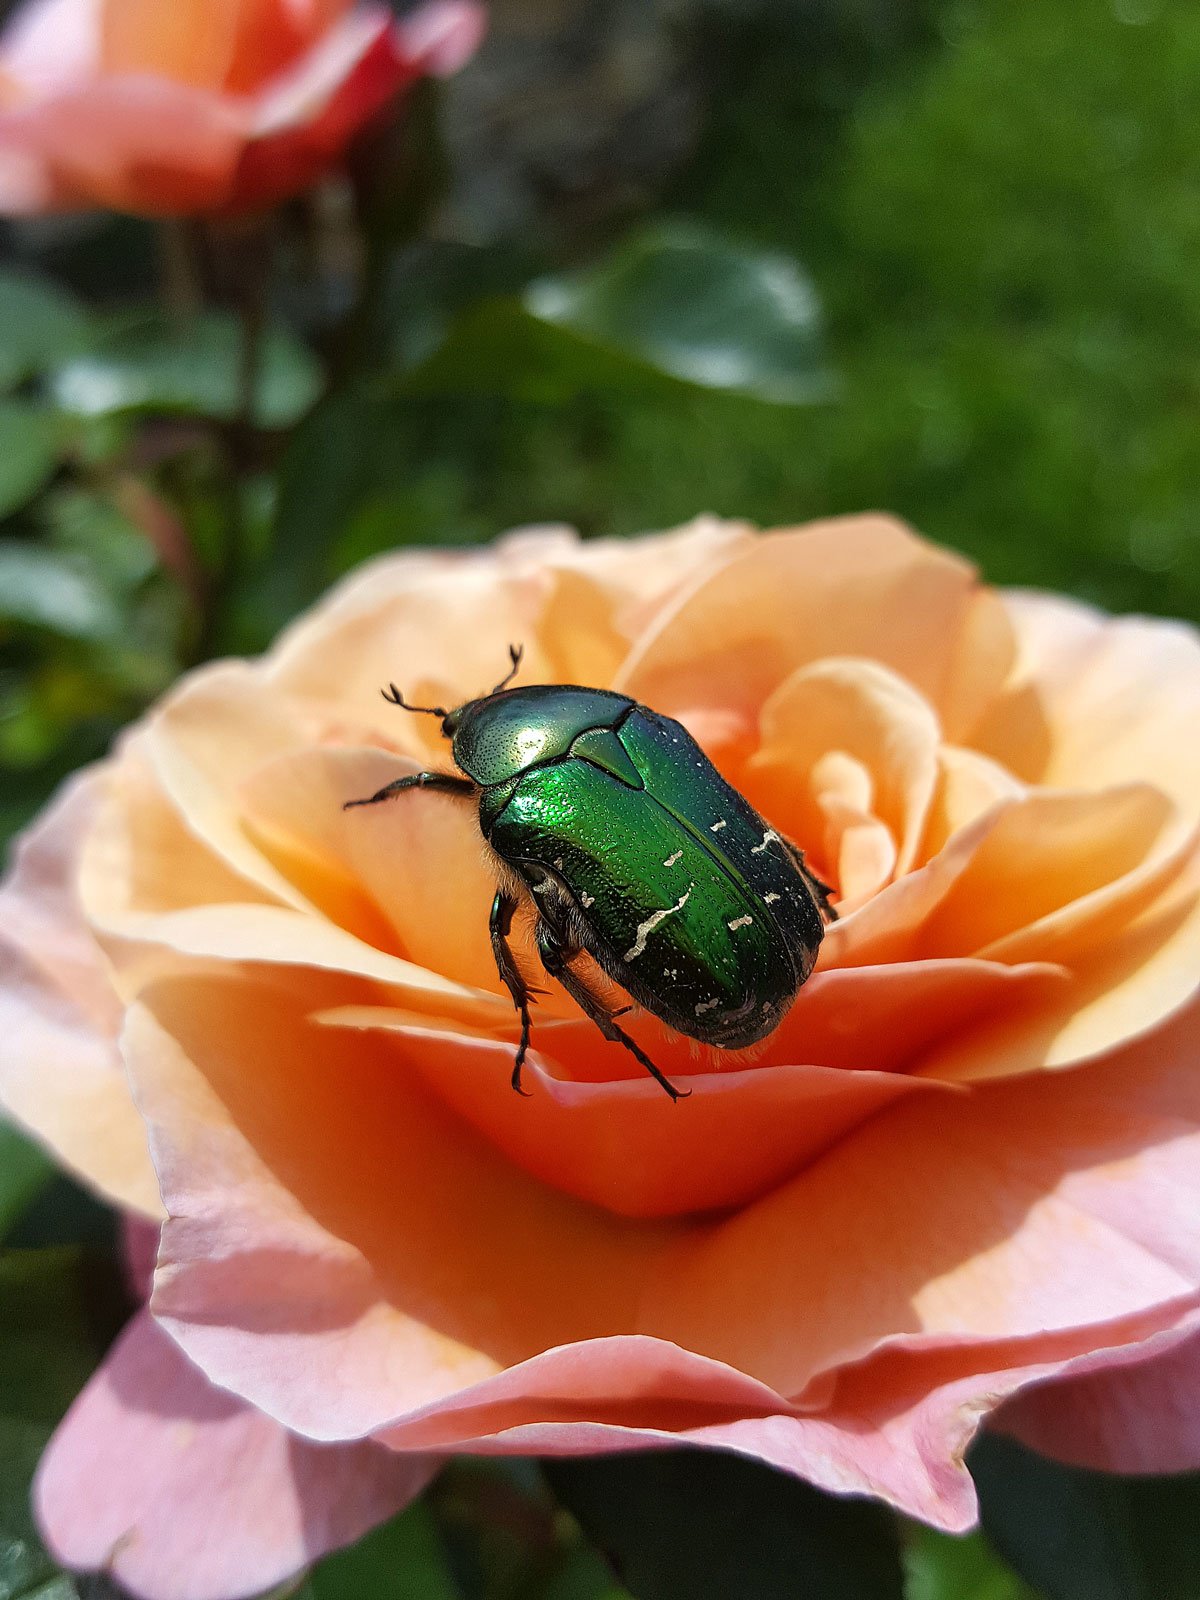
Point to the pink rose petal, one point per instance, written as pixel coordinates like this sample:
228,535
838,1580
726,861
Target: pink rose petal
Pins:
1142,1415
182,1492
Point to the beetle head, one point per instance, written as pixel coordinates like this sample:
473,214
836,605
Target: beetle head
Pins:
452,720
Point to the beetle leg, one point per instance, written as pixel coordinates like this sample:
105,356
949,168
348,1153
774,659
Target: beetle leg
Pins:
821,891
554,959
446,782
500,926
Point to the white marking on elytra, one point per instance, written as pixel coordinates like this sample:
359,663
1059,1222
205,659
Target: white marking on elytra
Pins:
558,863
757,849
671,860
717,826
706,1005
586,900
645,929
770,899
739,922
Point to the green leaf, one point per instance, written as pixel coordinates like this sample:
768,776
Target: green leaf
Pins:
43,588
583,1576
46,1356
677,306
687,300
401,1560
40,324
192,369
499,348
92,530
943,1566
30,437
24,1172
1080,1535
713,1526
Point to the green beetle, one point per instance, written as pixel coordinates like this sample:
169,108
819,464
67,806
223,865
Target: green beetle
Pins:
635,850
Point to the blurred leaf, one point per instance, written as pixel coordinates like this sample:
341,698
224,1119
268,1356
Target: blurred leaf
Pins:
40,324
24,792
157,365
943,1566
43,588
432,281
1080,1535
90,528
713,1526
59,1588
498,347
584,1576
402,1560
330,466
47,1353
65,1213
675,305
24,1172
686,299
30,438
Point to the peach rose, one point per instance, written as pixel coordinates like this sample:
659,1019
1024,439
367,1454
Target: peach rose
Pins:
965,1167
167,107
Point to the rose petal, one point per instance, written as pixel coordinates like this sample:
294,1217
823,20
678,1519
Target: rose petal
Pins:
902,1439
410,875
49,43
976,1218
60,1073
304,120
182,1492
441,37
132,144
214,731
1097,700
623,1145
187,44
287,1152
1136,1417
968,786
1102,884
882,593
440,624
859,710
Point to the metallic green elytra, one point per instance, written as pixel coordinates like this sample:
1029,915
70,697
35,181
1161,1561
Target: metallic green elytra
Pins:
635,850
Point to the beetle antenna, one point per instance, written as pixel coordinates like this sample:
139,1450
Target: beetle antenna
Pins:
515,652
394,698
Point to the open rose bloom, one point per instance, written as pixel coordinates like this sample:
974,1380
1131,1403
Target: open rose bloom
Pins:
963,1175
192,106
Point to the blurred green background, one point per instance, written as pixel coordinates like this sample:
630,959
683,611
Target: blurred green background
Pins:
985,216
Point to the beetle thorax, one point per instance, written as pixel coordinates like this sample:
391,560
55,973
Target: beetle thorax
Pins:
503,735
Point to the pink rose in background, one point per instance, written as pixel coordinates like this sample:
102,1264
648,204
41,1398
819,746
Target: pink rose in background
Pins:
963,1172
179,107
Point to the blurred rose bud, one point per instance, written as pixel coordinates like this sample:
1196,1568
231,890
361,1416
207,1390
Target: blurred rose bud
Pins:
202,106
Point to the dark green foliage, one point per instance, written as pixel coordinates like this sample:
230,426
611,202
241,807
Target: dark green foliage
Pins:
24,1173
1089,1535
946,1566
402,1560
40,323
56,1315
713,1526
152,364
